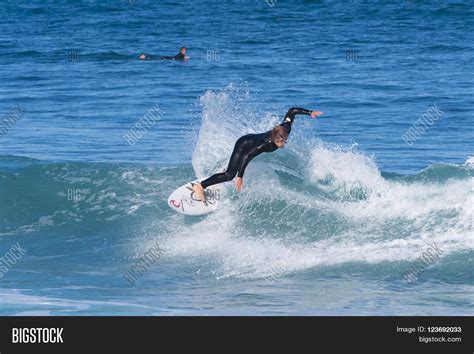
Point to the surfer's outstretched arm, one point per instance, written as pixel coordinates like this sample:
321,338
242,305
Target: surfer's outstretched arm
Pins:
292,112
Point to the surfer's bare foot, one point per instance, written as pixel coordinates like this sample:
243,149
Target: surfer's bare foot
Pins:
197,188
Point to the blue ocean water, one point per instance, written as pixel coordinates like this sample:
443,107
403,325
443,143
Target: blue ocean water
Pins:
329,225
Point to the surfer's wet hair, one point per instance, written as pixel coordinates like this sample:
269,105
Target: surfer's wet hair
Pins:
279,134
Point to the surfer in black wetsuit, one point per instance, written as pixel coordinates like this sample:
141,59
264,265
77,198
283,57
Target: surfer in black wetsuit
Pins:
251,145
180,56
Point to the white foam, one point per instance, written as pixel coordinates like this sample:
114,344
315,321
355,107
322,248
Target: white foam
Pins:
469,160
344,169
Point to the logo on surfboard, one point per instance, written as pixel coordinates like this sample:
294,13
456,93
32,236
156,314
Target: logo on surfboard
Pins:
212,195
175,203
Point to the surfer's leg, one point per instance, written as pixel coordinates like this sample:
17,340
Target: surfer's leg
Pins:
217,178
230,172
228,175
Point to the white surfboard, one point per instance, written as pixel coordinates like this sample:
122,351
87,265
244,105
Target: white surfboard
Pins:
184,200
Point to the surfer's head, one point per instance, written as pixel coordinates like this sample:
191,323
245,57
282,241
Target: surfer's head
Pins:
183,50
279,136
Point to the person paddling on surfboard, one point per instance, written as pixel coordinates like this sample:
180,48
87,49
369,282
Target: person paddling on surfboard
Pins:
180,56
249,146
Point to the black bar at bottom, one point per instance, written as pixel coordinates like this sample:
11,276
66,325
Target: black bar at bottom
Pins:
295,334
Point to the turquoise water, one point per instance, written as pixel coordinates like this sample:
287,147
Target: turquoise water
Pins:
328,225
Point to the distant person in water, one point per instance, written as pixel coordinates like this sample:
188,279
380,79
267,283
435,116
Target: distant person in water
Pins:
180,56
249,146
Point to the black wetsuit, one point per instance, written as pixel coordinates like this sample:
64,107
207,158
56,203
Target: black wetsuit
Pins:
249,146
179,56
